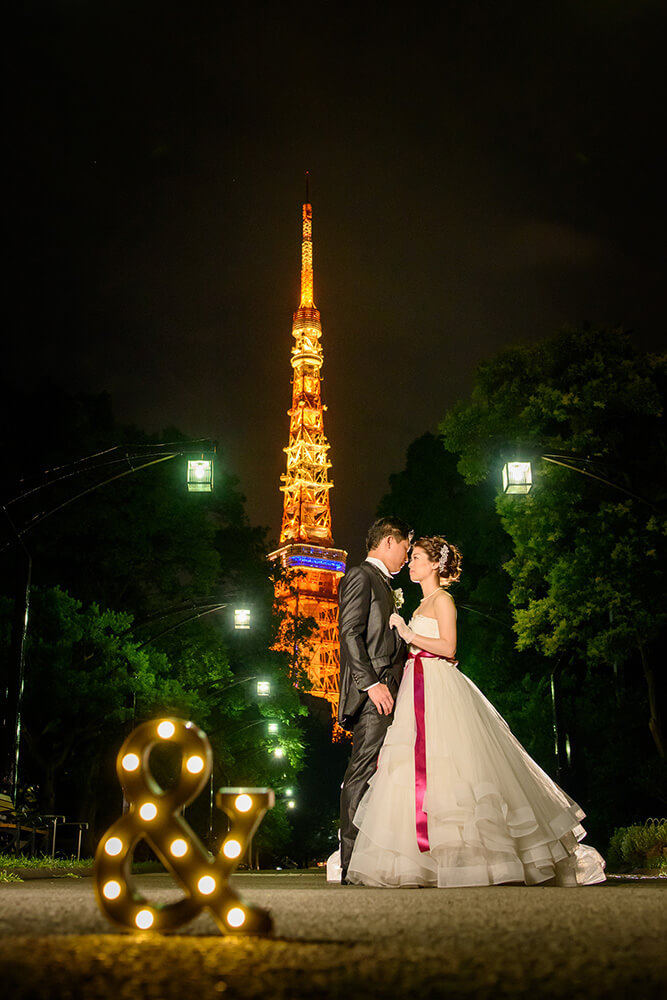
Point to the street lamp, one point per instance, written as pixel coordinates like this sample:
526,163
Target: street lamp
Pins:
102,463
273,727
242,618
517,477
263,689
278,752
200,475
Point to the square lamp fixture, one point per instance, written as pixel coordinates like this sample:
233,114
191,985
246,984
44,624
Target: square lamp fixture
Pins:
200,475
273,727
241,618
263,689
517,477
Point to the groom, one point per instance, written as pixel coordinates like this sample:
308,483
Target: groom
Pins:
371,663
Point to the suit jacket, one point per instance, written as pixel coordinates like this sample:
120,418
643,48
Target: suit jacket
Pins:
369,650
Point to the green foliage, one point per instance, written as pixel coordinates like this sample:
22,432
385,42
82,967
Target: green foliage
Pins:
119,578
588,566
571,577
639,846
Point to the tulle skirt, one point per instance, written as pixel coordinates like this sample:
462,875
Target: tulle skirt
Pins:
493,815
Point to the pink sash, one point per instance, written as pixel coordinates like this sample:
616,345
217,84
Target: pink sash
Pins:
420,746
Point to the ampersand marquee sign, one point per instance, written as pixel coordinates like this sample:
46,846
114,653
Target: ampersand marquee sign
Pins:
155,816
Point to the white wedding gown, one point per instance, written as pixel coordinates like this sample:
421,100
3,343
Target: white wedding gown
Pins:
493,815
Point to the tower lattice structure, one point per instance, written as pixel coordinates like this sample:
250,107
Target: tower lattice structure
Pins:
313,565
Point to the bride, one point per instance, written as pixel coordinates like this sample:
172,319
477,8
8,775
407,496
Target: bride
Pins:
455,799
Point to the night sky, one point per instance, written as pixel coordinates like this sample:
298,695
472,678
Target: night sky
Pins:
482,173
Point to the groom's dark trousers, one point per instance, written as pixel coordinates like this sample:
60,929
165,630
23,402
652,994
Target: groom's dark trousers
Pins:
370,651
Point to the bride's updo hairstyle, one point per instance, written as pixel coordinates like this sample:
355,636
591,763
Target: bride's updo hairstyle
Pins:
439,550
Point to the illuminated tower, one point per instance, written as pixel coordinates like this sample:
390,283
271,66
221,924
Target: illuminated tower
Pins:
306,541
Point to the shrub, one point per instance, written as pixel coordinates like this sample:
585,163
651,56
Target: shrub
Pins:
639,846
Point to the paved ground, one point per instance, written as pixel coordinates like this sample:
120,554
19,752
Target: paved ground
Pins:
333,941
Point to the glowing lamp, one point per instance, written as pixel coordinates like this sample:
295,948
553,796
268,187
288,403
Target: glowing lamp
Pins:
241,618
195,764
263,689
291,804
156,816
278,752
130,762
273,727
231,849
144,919
517,477
200,475
206,885
113,846
236,917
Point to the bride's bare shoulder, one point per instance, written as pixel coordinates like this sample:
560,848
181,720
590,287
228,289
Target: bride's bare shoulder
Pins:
443,599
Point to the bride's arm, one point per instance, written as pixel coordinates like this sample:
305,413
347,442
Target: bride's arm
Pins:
444,610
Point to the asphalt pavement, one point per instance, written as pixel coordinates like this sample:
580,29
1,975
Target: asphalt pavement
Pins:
333,941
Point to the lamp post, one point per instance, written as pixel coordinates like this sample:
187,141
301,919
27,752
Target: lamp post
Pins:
138,458
266,689
518,475
517,478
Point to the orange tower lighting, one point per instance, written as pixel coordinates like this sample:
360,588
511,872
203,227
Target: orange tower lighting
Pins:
306,540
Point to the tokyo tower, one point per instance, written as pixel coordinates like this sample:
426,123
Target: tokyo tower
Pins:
314,567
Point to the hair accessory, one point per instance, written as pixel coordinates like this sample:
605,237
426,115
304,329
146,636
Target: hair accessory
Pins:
444,552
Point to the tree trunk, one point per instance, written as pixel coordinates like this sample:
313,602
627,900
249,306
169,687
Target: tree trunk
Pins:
656,723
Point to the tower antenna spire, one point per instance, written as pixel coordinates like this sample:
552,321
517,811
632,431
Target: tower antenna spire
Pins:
306,539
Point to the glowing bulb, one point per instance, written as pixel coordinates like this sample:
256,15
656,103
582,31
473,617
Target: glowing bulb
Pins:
206,885
243,803
178,848
166,730
231,849
144,919
111,890
291,804
130,762
195,764
236,917
278,752
148,811
113,846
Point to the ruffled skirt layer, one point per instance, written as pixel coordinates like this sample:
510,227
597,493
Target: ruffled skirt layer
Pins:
493,815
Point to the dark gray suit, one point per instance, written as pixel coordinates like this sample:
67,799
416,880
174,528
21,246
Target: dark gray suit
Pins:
370,651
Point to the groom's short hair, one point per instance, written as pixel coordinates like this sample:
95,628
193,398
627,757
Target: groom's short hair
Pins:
387,526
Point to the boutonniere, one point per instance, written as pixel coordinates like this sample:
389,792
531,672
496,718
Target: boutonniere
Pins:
399,600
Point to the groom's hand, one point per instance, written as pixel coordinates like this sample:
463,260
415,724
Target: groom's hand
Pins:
382,698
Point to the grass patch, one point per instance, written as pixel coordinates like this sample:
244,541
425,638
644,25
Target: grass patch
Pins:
10,862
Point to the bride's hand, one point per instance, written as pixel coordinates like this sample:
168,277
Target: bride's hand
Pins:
397,622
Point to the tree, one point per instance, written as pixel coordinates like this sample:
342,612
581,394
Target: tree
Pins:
114,573
588,578
431,495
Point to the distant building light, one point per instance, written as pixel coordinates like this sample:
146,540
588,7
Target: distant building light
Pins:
311,563
517,477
